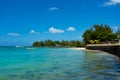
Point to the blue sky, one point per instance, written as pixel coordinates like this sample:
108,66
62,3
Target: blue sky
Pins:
25,21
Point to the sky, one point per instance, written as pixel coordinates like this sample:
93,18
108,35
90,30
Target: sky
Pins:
24,21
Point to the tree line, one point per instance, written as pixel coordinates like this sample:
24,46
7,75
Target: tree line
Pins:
63,43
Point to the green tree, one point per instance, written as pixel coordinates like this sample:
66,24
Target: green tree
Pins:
96,41
35,44
99,32
87,36
92,41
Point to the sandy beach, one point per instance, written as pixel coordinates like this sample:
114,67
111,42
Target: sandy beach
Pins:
81,48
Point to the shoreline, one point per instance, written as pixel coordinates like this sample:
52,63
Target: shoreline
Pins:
81,48
95,51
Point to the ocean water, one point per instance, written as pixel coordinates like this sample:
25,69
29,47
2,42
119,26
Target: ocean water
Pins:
57,64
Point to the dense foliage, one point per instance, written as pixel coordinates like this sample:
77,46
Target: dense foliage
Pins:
50,43
99,33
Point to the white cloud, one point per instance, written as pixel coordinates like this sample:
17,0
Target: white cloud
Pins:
33,32
111,2
13,34
71,29
53,8
53,30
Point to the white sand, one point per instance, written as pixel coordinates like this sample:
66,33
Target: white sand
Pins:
78,48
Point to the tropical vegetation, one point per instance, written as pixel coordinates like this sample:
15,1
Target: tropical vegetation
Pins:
63,43
99,33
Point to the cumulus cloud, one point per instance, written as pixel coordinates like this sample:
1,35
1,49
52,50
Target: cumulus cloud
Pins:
33,32
13,34
53,8
54,30
71,29
111,2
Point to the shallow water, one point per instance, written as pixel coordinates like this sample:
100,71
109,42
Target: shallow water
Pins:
57,64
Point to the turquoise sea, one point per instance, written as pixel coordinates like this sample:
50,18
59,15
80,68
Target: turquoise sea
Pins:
57,64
